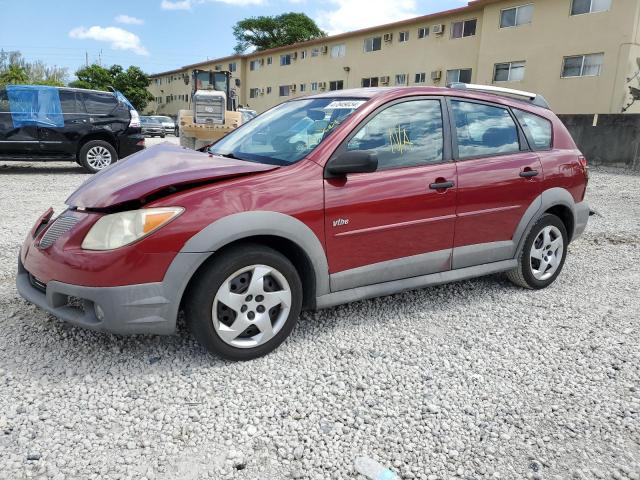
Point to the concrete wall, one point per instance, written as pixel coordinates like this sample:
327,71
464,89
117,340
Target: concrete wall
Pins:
611,140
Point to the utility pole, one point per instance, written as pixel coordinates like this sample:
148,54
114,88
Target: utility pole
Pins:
86,58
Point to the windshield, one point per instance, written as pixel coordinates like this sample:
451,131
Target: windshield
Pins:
288,132
149,120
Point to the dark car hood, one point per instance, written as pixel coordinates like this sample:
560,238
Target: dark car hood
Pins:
153,170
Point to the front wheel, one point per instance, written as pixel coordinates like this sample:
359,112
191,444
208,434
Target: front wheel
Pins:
543,254
244,303
97,155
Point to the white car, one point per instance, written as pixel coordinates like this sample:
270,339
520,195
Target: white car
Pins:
167,123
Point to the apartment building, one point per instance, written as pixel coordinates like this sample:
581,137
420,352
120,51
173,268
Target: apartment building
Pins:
582,55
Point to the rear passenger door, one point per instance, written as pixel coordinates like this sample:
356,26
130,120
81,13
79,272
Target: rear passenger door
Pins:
62,140
498,178
394,223
18,130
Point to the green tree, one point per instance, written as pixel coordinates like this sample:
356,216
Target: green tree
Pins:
266,32
14,75
132,82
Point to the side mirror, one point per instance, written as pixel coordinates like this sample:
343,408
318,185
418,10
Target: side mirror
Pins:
358,161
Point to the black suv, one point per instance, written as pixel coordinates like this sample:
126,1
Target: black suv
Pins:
91,127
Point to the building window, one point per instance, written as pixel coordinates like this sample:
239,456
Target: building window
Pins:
269,60
464,29
401,79
303,54
420,77
336,85
314,86
580,7
403,37
509,72
582,65
338,50
483,130
254,92
459,75
514,17
254,65
372,44
370,82
232,67
303,87
284,90
315,52
285,59
268,90
423,32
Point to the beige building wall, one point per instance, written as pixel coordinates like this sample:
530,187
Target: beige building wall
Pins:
543,44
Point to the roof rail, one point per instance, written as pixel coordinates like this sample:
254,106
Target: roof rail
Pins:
532,98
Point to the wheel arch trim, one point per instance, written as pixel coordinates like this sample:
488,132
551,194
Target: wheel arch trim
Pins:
243,225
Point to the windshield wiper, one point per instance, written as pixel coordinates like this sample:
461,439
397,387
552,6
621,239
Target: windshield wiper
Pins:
227,155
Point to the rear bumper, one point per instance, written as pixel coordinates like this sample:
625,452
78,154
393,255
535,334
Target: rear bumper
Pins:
582,211
149,308
130,144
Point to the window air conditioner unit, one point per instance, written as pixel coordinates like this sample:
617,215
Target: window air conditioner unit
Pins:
217,67
292,88
384,80
324,49
262,91
388,37
436,75
437,29
322,85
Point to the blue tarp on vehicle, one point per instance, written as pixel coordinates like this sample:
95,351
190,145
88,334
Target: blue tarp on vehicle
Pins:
34,105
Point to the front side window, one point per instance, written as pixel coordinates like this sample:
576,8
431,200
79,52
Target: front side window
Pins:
370,82
513,17
403,135
338,50
285,59
466,28
509,72
336,85
538,130
372,44
69,102
423,32
483,130
459,75
583,65
580,7
287,133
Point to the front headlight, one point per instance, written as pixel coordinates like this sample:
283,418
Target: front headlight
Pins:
119,229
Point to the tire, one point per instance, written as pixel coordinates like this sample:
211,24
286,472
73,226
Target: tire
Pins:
254,322
546,247
96,155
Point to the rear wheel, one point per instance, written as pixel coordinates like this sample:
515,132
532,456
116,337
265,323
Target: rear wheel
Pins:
97,155
244,303
543,254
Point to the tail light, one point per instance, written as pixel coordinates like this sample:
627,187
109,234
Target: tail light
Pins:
582,160
135,119
140,142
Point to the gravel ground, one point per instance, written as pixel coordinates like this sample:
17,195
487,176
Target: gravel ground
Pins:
471,380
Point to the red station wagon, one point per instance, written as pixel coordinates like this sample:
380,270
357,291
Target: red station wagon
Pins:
320,201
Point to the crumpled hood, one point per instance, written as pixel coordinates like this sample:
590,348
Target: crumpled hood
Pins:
154,169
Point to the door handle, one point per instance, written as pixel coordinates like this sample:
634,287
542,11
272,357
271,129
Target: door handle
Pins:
441,185
529,173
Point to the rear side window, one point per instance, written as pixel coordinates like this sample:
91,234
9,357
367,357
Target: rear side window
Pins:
70,102
403,135
99,103
483,130
538,130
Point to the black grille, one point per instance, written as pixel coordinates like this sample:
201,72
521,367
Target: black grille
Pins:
58,228
38,284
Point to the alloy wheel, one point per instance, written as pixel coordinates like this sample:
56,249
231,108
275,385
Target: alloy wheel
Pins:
546,252
98,157
251,306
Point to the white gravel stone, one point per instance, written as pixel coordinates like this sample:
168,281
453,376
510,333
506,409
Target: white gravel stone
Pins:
472,380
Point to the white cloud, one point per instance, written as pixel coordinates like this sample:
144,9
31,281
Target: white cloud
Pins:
118,38
187,4
346,15
127,20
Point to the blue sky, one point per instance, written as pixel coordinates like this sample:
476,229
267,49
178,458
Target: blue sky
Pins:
161,35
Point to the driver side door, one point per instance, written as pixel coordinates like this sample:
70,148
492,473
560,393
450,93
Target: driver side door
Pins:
395,222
